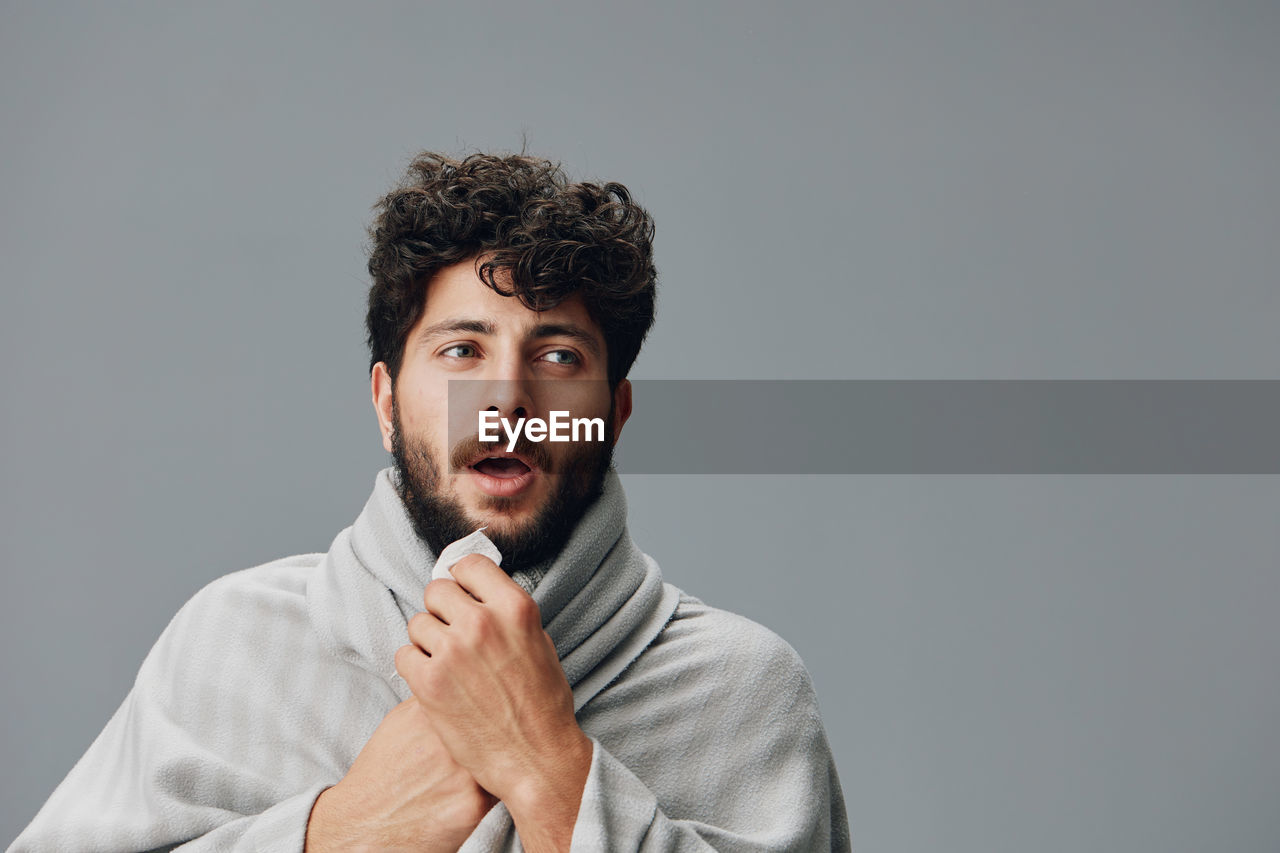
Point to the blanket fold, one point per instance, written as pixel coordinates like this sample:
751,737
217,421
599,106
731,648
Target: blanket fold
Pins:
602,600
266,685
600,595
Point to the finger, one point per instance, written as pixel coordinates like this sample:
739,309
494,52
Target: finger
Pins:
410,662
425,631
447,600
482,578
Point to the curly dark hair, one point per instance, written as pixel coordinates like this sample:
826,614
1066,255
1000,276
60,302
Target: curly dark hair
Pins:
554,238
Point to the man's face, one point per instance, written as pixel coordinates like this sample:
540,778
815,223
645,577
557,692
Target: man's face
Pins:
529,503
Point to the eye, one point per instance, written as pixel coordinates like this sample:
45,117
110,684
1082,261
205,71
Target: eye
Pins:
562,356
468,351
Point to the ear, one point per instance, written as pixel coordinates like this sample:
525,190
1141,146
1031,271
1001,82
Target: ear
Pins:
621,407
381,383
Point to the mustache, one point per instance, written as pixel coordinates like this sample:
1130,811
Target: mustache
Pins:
467,450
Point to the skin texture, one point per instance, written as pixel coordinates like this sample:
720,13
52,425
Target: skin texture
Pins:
404,792
489,679
514,367
492,718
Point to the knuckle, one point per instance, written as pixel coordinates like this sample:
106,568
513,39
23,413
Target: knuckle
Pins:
418,624
402,660
433,590
442,646
481,625
525,611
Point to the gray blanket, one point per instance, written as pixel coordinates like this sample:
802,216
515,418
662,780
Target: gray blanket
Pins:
264,687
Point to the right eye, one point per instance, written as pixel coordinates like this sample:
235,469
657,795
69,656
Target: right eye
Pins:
469,351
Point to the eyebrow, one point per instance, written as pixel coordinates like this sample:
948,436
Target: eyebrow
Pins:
568,330
486,327
448,327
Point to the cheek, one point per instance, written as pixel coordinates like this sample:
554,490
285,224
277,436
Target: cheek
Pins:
423,414
454,420
581,398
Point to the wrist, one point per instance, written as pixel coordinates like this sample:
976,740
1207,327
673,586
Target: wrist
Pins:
544,804
318,836
330,823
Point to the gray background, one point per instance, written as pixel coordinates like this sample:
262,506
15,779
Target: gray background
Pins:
877,190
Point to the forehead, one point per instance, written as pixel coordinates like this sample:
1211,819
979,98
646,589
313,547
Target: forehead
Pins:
458,292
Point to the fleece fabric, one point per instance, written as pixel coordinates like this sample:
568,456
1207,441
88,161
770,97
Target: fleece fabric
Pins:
264,687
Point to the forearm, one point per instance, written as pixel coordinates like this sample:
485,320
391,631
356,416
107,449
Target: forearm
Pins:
324,825
281,827
545,809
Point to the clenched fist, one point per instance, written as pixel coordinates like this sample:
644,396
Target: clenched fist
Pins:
489,678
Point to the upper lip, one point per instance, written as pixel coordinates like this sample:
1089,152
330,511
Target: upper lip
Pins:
501,454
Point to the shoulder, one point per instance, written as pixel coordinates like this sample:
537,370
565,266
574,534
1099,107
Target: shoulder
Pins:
710,682
713,649
277,582
238,610
726,637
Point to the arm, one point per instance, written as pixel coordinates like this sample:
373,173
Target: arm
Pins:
189,757
404,792
723,747
133,790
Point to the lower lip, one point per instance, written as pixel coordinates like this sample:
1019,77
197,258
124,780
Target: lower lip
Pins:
502,487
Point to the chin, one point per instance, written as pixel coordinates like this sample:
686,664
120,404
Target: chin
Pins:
506,515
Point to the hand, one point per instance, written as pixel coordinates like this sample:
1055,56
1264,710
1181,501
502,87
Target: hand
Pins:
404,792
490,680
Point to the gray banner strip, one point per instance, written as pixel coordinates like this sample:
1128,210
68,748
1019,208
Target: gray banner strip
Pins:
952,427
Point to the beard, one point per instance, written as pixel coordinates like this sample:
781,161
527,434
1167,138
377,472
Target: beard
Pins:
439,518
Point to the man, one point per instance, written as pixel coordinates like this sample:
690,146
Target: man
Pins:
553,695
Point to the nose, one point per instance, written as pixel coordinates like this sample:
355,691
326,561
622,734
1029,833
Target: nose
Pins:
508,393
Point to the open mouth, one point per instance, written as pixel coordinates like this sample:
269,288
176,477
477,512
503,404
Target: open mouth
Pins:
501,467
502,475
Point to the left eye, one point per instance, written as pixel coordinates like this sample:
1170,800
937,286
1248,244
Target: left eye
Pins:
562,356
